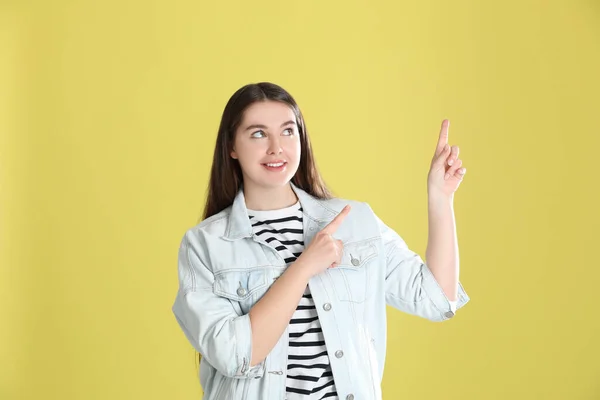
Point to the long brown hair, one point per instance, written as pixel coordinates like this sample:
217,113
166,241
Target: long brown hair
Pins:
226,174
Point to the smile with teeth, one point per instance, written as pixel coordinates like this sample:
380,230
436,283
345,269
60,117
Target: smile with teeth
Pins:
279,164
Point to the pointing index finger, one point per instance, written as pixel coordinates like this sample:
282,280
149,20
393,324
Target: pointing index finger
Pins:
337,221
443,139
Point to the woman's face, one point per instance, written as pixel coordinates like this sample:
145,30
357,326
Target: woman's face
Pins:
267,144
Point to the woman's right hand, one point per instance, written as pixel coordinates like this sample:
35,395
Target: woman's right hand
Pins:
324,251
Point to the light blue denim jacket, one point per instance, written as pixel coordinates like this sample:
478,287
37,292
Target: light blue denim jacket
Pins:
224,269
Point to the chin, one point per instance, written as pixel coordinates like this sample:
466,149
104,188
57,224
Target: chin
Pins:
275,183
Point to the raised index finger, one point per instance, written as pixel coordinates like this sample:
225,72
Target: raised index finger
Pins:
337,221
443,139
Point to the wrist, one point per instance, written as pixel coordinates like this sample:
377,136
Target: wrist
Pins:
300,270
434,196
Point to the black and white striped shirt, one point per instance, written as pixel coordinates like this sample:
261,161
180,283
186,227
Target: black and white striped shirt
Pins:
309,372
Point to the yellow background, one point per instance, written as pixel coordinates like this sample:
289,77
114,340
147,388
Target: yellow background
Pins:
108,116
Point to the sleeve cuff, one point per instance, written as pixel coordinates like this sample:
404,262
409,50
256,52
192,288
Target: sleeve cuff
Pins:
453,305
434,291
244,350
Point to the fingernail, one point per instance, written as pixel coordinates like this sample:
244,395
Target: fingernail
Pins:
463,170
450,162
446,176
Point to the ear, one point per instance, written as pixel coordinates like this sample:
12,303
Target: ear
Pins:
233,154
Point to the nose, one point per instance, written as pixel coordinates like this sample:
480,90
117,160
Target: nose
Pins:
274,146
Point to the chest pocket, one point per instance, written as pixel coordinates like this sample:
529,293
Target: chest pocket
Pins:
351,278
245,287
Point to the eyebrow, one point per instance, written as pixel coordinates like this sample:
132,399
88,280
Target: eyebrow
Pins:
258,126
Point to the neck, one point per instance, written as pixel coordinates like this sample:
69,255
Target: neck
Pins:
263,199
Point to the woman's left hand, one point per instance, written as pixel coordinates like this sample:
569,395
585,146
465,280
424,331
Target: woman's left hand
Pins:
446,172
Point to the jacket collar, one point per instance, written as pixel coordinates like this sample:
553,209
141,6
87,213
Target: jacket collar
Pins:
239,225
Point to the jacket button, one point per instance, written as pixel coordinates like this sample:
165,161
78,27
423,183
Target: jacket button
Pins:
241,291
350,397
355,262
449,314
339,354
326,306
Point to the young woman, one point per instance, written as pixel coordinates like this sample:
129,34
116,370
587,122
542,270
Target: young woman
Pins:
282,287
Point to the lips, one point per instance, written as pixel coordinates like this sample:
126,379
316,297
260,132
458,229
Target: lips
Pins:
275,166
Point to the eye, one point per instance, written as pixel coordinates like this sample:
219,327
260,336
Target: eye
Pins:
254,134
290,131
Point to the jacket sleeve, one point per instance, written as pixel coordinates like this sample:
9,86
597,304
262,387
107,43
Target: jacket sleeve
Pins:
210,323
409,284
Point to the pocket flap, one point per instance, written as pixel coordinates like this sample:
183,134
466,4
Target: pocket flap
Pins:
356,254
239,285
